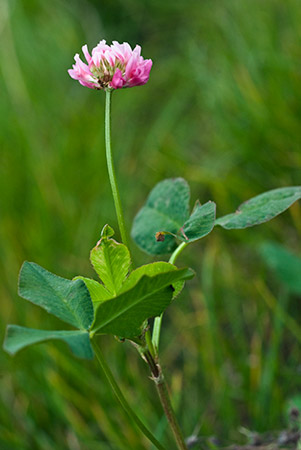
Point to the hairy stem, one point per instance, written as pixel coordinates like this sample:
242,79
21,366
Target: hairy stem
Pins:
111,169
158,320
120,397
162,390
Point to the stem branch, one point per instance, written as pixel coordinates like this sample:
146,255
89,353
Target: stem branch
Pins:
158,320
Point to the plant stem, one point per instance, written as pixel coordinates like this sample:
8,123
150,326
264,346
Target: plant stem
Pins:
149,343
177,252
170,415
158,320
120,397
162,390
111,169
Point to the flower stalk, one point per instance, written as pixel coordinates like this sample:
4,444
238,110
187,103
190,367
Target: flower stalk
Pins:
111,169
150,351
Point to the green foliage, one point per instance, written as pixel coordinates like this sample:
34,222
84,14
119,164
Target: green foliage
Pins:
19,337
148,269
98,292
111,261
121,305
285,264
167,212
68,300
151,270
161,214
106,258
124,314
261,208
166,208
200,223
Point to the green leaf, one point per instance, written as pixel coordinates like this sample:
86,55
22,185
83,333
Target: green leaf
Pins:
178,287
200,223
285,264
111,261
124,315
68,300
261,208
151,270
167,208
97,291
19,337
107,232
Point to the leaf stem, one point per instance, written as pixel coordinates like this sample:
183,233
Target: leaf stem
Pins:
158,320
111,169
149,343
177,252
120,397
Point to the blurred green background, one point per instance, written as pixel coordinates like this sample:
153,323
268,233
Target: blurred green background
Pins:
222,109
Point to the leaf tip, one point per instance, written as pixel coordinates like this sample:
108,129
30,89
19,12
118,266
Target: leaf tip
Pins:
6,344
107,231
25,265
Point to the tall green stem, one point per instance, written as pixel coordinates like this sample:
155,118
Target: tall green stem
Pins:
120,397
111,169
158,320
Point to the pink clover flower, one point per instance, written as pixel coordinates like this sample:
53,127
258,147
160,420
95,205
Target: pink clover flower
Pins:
113,66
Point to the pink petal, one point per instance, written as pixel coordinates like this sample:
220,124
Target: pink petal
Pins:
131,66
86,53
110,57
117,81
140,74
123,52
137,50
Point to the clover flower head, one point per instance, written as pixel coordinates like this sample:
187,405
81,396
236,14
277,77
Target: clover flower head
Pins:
113,66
